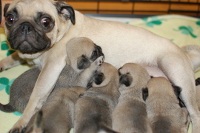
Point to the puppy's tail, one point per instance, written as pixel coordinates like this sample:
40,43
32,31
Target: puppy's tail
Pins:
105,129
7,108
193,52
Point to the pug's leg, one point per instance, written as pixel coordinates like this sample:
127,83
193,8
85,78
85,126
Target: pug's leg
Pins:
44,85
11,61
179,71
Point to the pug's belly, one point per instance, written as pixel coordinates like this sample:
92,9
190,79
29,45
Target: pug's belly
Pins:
154,71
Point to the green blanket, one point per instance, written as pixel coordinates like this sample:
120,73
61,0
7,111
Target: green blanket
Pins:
182,30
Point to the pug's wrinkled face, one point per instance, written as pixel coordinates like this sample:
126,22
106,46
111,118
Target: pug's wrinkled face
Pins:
33,26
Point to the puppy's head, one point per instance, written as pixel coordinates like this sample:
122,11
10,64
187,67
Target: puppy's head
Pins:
106,74
161,86
164,105
132,74
81,52
33,26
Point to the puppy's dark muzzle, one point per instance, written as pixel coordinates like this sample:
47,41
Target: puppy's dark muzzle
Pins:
27,39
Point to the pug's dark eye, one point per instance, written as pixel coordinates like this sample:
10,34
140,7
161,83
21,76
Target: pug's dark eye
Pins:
46,22
9,19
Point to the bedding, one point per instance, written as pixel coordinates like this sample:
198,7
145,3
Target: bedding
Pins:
182,30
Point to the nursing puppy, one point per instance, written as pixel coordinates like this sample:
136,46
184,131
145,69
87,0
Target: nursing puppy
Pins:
57,115
163,107
39,30
93,110
84,57
130,114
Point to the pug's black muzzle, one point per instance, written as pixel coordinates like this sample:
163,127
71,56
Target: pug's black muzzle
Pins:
28,39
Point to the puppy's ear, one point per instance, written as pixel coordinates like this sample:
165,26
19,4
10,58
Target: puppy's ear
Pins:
126,80
83,62
65,11
177,91
119,73
38,122
98,78
5,9
145,94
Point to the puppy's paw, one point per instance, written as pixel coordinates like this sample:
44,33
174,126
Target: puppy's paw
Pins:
99,61
96,64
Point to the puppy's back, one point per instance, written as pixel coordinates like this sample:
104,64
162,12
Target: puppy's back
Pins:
130,114
163,107
21,90
93,109
57,113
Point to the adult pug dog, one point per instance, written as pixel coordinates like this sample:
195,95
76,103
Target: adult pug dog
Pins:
39,30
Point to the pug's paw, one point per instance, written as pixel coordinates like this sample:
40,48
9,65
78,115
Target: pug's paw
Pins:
1,67
19,127
16,130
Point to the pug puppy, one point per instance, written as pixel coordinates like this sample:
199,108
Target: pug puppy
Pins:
93,109
57,115
84,58
130,114
165,113
39,30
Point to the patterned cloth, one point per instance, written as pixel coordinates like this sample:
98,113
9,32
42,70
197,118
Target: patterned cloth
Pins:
182,30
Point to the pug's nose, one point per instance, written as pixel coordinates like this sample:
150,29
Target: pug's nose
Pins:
26,28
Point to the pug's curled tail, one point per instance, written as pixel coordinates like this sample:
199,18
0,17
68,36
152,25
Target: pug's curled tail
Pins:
193,52
7,108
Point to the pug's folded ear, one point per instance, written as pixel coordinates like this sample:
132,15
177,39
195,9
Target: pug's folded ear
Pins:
177,91
99,78
83,62
145,93
5,9
126,80
65,11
